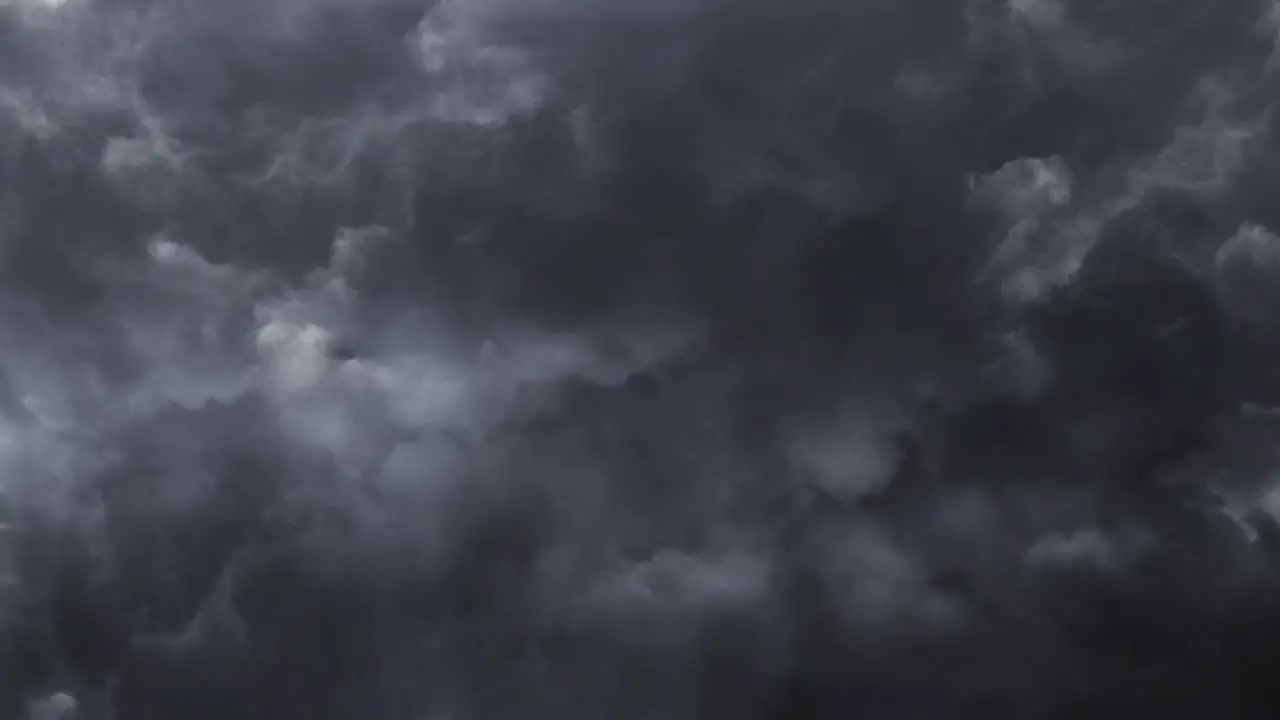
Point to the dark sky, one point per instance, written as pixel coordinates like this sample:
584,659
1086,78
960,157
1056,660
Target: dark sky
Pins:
627,360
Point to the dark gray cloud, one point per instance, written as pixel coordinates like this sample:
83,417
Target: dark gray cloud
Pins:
489,359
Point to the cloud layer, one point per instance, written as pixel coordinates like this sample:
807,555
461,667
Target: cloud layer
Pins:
485,359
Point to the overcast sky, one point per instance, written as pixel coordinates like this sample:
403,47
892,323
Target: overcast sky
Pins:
666,360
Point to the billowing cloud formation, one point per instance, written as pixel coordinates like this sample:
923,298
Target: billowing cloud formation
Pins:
382,359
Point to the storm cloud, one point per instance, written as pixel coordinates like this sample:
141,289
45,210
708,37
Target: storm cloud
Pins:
489,359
